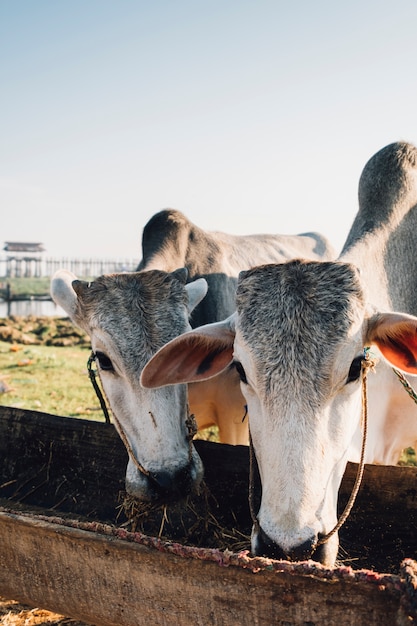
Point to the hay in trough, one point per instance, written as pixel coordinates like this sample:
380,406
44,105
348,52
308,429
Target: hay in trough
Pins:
198,520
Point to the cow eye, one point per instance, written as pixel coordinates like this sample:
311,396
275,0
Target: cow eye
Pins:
240,371
355,369
104,362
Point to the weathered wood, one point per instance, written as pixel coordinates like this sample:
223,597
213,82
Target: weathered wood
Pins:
75,468
78,466
111,582
382,527
66,464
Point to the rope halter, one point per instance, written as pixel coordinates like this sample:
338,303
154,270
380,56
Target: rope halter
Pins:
368,364
92,374
190,421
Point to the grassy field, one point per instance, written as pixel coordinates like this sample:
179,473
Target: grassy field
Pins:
52,379
43,367
25,287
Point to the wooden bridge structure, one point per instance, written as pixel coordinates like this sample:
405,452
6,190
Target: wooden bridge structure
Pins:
27,260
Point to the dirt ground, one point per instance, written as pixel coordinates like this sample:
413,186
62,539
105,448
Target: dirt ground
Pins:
12,613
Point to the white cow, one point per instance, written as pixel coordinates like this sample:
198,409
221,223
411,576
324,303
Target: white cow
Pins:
297,341
129,316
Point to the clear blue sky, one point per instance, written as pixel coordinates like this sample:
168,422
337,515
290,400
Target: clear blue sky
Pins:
247,116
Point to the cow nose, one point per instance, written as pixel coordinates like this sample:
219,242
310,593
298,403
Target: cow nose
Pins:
265,546
168,486
303,552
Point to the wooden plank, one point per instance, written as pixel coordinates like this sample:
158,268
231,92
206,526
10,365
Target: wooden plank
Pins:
78,466
111,582
63,463
75,468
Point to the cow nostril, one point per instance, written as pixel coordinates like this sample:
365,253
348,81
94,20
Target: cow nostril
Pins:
265,546
161,481
171,485
302,552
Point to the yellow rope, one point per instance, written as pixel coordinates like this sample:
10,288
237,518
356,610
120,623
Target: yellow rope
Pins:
406,385
367,364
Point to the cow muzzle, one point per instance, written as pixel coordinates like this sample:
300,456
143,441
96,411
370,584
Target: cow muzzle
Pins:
263,545
166,485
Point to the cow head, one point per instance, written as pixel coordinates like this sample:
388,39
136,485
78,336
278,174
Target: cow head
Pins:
128,317
297,341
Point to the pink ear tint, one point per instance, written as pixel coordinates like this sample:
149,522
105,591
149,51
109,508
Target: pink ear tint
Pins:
400,349
188,358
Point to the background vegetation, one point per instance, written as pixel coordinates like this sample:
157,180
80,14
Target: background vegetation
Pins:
43,367
44,370
27,287
24,287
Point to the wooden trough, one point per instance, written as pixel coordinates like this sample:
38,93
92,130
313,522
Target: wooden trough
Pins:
67,545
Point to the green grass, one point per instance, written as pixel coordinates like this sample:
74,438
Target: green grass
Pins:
27,287
54,379
49,379
408,457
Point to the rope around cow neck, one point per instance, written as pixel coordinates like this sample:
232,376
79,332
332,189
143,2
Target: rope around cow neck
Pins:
405,384
92,374
368,363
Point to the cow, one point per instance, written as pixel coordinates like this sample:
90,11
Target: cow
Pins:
129,316
299,339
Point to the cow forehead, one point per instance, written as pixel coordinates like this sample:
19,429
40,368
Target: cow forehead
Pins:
295,314
148,308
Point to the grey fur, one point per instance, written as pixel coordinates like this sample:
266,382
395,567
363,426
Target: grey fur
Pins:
296,318
143,310
170,240
383,235
301,297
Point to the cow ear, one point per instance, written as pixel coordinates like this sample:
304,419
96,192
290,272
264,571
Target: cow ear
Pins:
181,274
63,293
197,355
395,334
80,286
196,292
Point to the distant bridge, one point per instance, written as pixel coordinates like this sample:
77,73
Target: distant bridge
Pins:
29,266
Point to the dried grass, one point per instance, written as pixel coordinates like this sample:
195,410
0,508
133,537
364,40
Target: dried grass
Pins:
196,521
12,613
